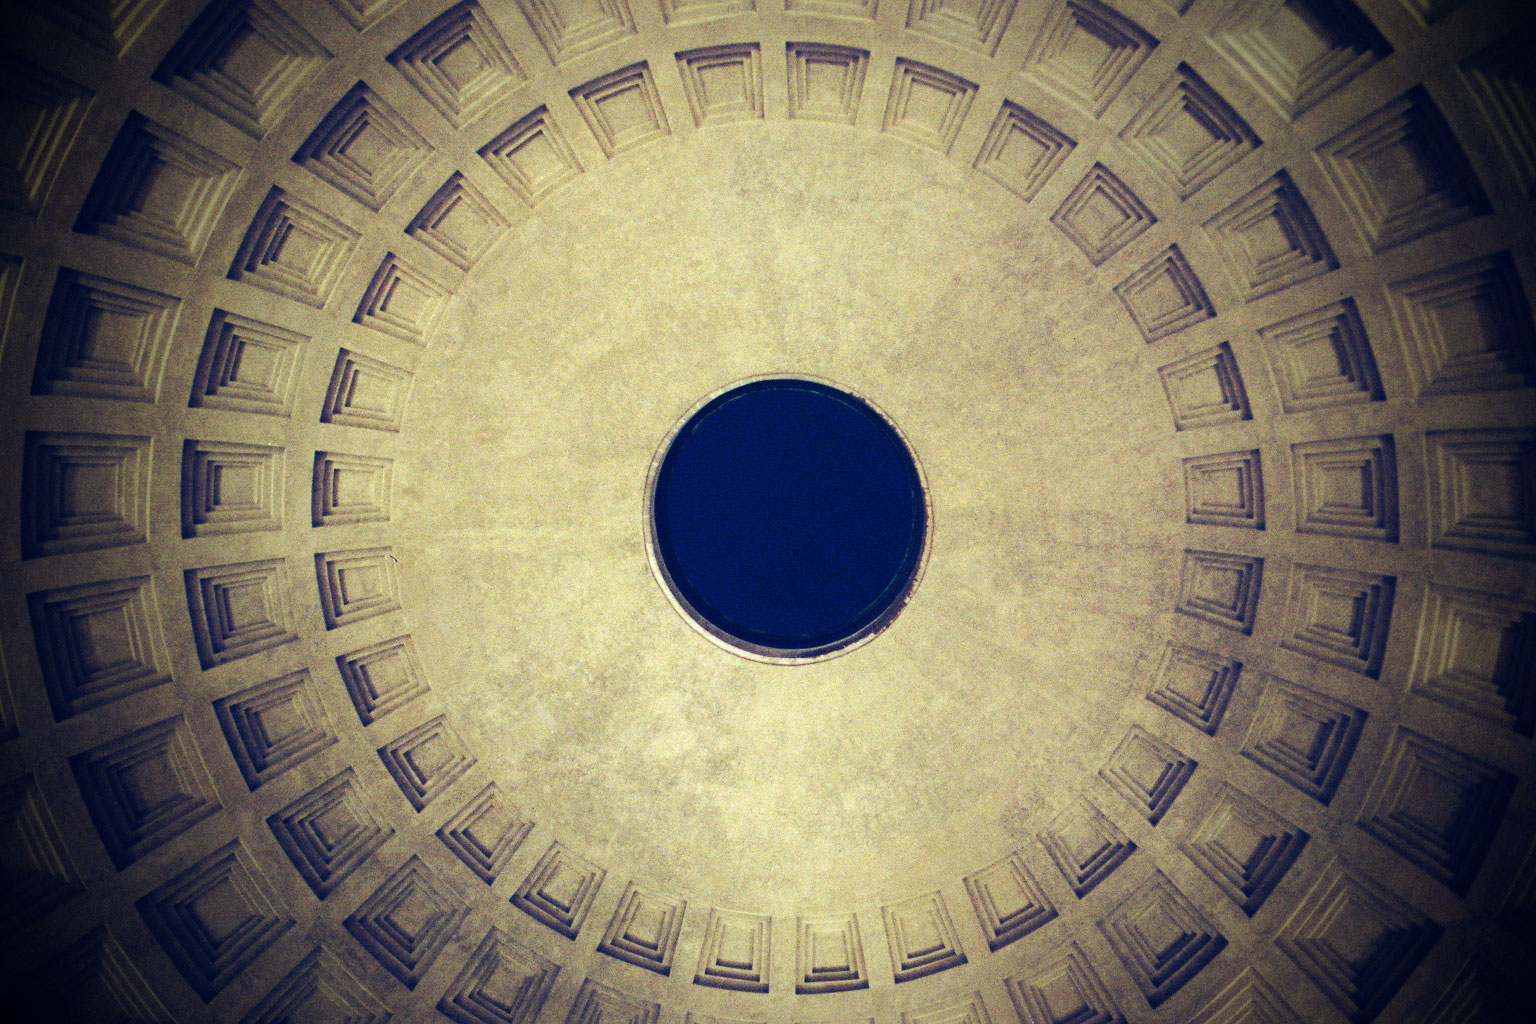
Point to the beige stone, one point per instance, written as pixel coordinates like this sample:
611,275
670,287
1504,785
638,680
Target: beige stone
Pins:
340,338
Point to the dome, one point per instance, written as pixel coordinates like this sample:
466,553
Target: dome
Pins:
343,675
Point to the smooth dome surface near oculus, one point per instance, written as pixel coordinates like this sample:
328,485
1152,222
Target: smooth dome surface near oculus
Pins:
789,516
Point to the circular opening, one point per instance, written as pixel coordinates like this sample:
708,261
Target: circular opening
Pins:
788,519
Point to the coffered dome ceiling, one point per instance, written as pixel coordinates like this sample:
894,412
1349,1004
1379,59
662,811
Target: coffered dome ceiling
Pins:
340,336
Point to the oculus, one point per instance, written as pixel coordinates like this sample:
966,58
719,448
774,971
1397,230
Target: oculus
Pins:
788,519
